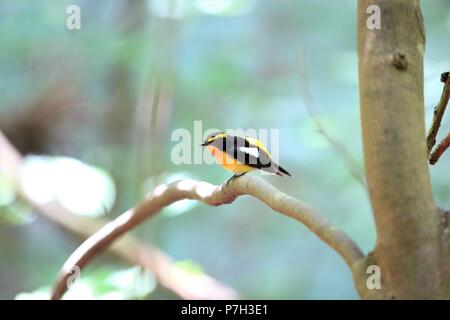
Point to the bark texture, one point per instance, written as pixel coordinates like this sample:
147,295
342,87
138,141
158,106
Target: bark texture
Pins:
408,248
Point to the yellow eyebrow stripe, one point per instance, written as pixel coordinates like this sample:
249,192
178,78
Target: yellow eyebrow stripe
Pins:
221,135
258,143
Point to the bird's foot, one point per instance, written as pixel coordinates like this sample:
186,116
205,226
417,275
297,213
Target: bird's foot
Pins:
233,177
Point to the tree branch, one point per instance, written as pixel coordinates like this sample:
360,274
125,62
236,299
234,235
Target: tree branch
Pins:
440,149
182,283
207,193
439,111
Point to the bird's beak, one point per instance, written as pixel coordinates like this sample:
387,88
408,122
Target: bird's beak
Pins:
204,144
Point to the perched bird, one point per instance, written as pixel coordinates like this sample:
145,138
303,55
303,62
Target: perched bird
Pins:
241,155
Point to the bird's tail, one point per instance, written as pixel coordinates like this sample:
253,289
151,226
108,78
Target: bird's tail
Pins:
281,172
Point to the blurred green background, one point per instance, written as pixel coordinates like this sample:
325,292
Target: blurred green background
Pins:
94,109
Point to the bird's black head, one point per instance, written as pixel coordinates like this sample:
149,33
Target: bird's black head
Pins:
213,137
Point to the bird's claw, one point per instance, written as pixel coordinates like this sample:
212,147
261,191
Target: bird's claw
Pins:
233,177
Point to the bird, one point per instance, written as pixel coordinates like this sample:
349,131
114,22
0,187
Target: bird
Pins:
241,155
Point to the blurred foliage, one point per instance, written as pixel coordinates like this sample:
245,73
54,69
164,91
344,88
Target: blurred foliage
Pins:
189,266
111,93
103,283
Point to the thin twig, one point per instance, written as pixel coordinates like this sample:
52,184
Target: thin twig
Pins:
440,149
183,283
166,194
439,111
354,168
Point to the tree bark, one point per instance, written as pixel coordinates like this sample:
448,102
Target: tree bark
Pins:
408,248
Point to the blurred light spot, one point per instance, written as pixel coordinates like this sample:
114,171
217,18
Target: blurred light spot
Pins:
78,187
204,189
186,185
37,179
225,7
83,189
159,190
80,290
213,6
43,293
134,281
113,295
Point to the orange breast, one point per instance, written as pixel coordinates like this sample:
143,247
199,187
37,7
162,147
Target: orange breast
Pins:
228,162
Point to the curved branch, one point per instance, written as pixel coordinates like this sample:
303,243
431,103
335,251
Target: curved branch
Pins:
186,285
166,194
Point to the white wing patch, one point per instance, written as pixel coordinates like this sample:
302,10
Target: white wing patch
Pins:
251,151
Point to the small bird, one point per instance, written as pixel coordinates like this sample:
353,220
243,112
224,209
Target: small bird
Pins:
241,155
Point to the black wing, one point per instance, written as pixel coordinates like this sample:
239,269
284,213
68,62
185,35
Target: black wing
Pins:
249,154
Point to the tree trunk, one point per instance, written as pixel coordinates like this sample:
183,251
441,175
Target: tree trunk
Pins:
412,242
